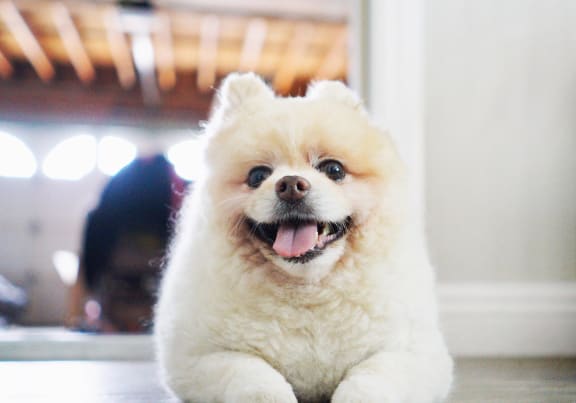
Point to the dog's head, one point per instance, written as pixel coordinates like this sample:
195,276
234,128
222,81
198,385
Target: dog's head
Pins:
297,181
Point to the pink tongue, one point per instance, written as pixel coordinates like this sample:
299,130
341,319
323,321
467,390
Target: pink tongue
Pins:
295,241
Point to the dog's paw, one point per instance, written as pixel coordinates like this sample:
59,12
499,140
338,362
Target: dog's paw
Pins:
271,393
363,390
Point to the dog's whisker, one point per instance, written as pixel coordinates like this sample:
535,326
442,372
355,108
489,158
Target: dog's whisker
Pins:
237,225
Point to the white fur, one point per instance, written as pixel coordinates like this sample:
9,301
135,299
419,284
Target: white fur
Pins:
352,326
237,88
334,90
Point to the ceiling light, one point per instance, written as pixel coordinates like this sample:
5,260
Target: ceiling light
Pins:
114,153
72,159
16,159
187,158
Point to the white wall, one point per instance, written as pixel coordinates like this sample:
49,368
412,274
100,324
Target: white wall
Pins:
38,217
496,96
501,139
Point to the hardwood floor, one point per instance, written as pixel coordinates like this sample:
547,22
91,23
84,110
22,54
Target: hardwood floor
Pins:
515,380
477,380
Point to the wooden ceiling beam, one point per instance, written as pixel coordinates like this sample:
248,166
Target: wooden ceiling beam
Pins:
254,39
119,48
164,51
335,60
91,36
288,65
26,40
6,68
73,43
208,52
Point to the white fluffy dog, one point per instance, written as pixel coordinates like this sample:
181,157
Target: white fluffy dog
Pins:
296,274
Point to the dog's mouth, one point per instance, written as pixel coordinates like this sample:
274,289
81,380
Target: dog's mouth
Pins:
299,241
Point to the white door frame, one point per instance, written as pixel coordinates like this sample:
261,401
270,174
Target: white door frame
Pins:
387,69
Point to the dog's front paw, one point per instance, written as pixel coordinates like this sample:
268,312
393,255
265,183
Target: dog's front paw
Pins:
262,393
363,389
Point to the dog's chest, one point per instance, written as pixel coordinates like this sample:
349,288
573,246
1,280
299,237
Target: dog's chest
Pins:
311,346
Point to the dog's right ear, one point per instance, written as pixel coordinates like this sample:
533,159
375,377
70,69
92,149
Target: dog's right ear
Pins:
238,88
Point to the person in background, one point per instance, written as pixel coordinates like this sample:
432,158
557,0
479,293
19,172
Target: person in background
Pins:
125,238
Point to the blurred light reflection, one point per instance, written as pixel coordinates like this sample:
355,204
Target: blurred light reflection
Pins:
187,158
114,153
71,159
66,264
16,159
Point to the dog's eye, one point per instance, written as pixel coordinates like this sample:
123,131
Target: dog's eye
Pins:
333,169
257,175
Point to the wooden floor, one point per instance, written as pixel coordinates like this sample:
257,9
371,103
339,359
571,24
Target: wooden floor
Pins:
478,380
515,381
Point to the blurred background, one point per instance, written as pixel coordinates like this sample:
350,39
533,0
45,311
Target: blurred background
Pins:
480,96
87,87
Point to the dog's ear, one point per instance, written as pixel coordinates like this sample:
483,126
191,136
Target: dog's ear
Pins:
336,91
237,88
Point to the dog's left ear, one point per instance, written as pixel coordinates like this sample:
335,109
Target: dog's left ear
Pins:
336,91
238,88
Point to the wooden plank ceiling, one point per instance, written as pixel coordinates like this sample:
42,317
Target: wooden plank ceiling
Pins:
190,47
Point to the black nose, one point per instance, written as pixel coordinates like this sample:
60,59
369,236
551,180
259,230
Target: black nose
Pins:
292,188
